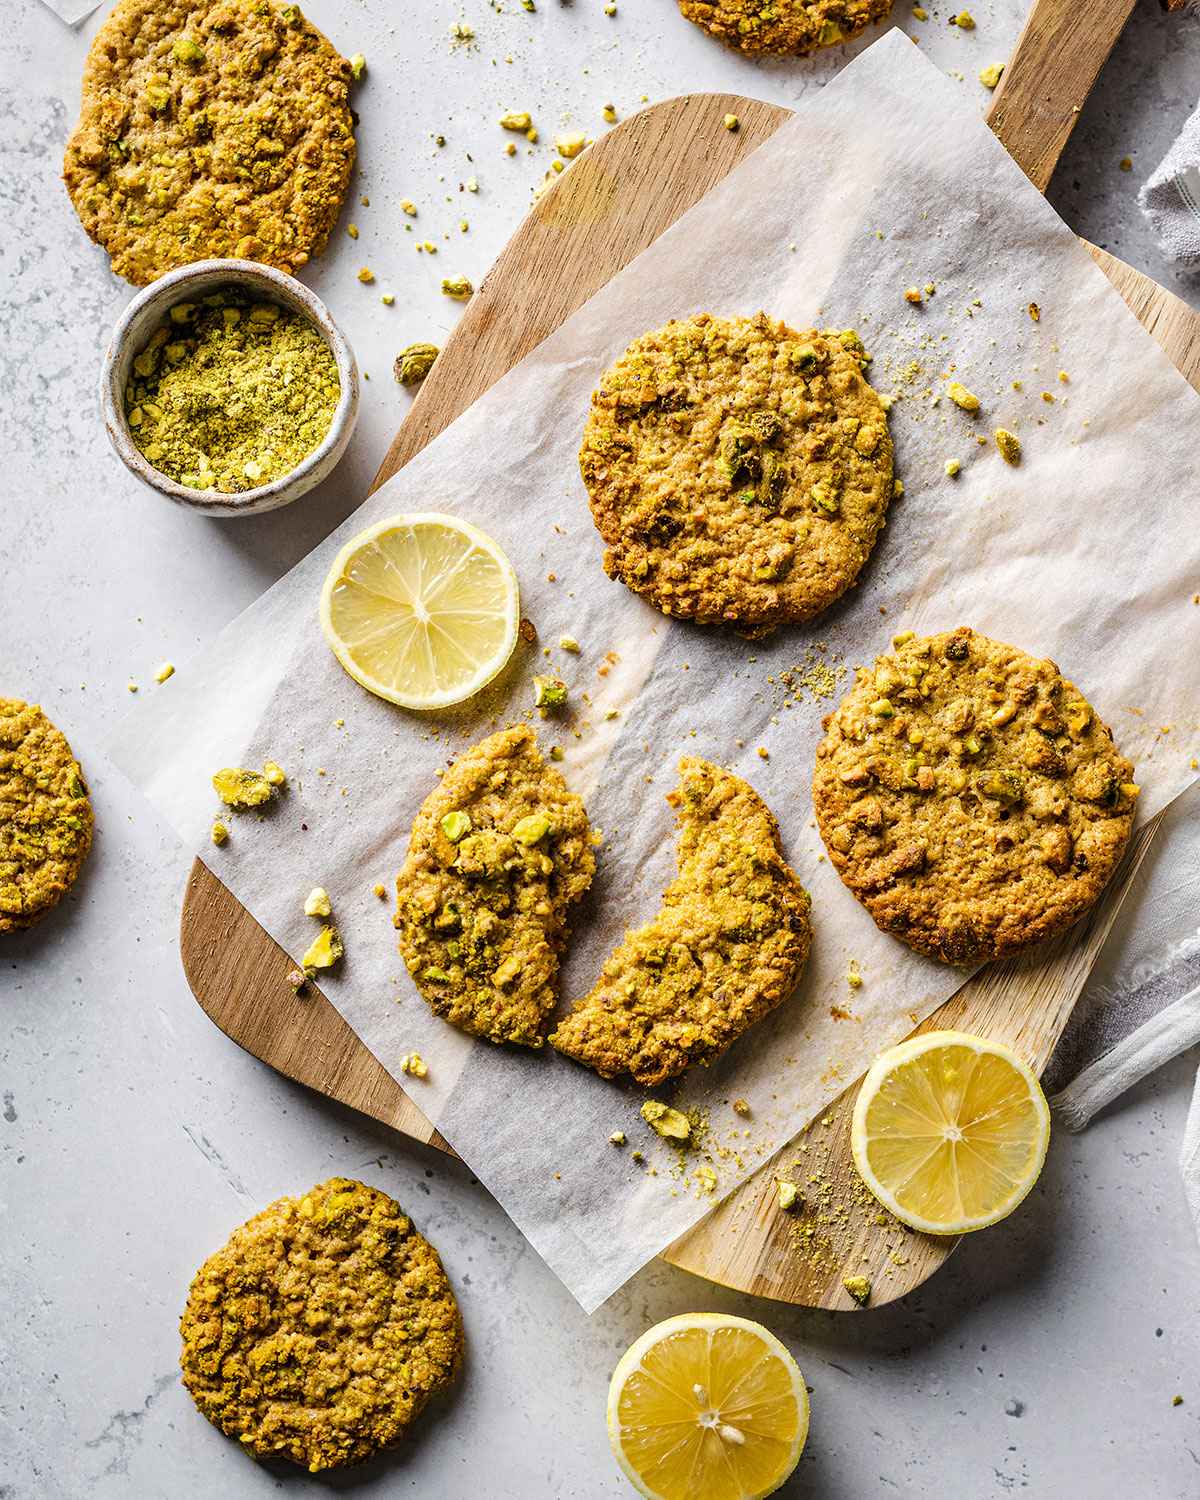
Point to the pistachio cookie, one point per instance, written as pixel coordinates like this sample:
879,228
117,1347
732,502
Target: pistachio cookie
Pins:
500,850
45,815
791,26
727,946
210,128
321,1329
738,470
969,796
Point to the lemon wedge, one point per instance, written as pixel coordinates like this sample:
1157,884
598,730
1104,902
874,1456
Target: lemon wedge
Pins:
707,1407
421,609
950,1131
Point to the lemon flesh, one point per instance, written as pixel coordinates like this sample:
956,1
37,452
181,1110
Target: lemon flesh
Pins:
422,609
950,1131
707,1407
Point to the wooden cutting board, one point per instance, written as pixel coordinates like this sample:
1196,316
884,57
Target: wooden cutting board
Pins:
615,199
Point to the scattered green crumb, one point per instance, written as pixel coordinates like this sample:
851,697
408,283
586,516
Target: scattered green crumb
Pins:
617,1138
859,1288
1009,445
569,643
952,467
740,1107
787,1193
549,693
965,20
317,902
358,66
990,76
414,1065
730,122
854,975
457,287
219,833
380,890
414,362
516,119
670,1123
166,670
324,951
366,275
962,397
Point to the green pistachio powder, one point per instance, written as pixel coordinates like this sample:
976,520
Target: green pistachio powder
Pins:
231,392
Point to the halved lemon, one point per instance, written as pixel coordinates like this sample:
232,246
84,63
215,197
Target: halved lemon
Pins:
707,1407
950,1131
421,609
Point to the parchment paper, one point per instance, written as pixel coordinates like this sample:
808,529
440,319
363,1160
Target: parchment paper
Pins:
1088,552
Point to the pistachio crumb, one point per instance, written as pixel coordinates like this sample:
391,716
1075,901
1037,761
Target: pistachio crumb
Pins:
380,890
1035,312
913,294
570,146
166,670
730,122
962,397
219,833
991,75
1009,445
317,902
457,287
858,1287
953,467
569,643
413,1064
358,66
671,1124
516,119
617,1138
366,275
965,20
787,1193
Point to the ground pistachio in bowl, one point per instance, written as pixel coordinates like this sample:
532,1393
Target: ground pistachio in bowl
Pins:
231,392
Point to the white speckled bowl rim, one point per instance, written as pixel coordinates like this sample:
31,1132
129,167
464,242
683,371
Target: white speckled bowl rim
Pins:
138,322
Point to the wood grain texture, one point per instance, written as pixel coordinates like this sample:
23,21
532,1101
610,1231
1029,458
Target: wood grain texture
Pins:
611,204
1057,59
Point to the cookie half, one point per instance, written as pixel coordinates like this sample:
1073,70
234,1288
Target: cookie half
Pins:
210,128
787,26
45,815
970,797
322,1329
728,944
500,850
738,470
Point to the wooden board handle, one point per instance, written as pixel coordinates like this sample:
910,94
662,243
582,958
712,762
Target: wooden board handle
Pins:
1058,57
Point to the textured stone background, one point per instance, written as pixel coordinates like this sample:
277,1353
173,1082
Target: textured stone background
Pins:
134,1136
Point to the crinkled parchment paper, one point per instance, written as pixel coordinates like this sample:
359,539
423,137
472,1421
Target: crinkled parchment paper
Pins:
1088,552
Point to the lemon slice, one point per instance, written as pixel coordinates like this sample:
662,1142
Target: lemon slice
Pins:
950,1131
707,1407
421,609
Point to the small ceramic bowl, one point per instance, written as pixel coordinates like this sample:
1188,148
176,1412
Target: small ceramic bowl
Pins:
189,283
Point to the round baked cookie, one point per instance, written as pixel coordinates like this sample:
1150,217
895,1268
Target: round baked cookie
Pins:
792,26
45,815
738,470
323,1327
969,796
210,128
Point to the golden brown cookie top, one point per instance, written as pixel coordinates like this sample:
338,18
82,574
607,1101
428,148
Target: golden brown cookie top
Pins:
739,470
500,850
45,815
791,26
210,128
969,796
323,1327
727,946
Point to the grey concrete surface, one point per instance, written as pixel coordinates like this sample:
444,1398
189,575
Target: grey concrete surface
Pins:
134,1136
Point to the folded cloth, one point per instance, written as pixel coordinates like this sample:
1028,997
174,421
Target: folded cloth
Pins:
1141,1006
72,11
1170,199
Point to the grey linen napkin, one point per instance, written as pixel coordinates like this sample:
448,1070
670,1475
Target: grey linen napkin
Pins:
1171,198
1141,1006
